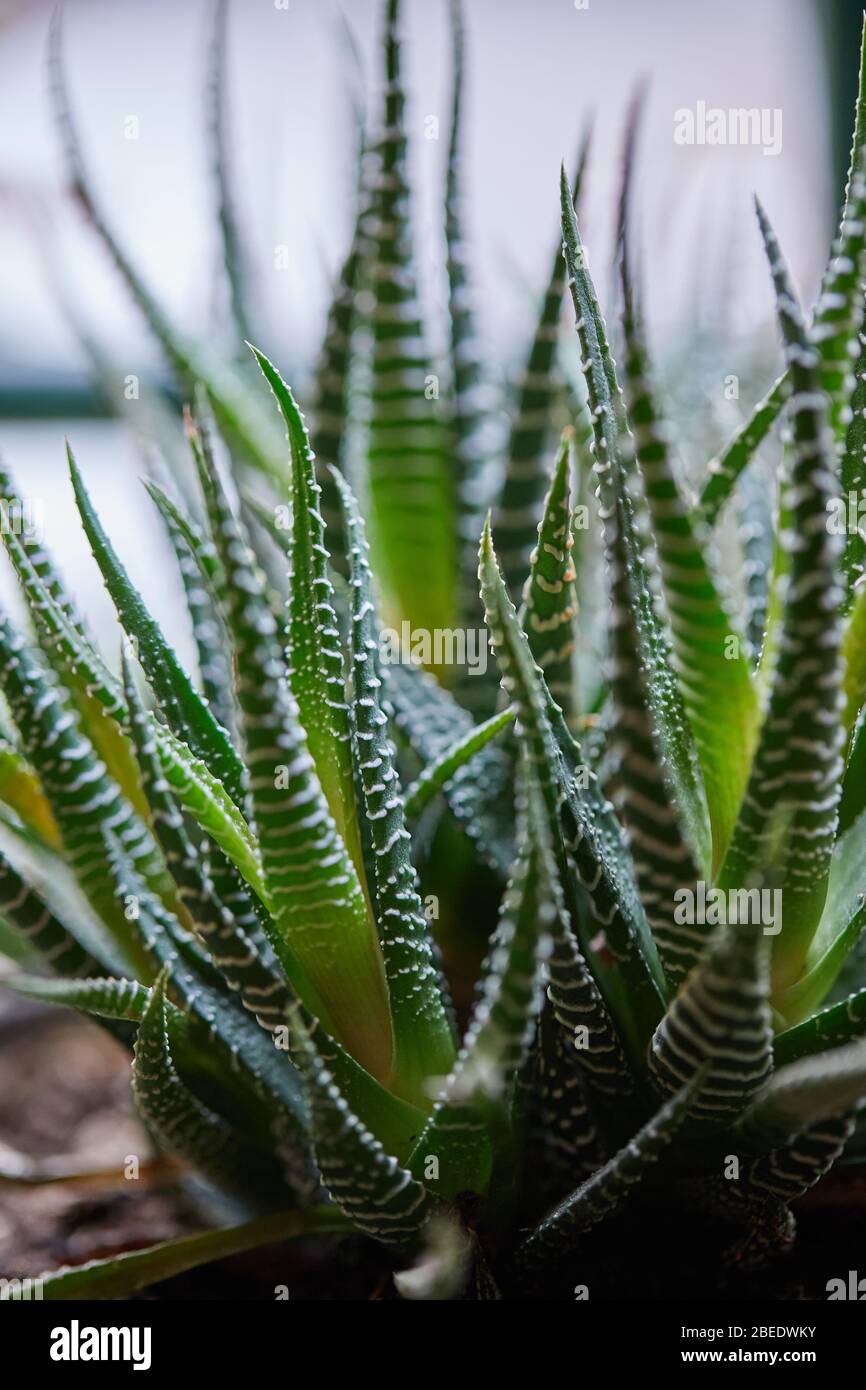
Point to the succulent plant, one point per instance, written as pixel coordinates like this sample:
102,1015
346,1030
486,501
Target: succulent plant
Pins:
230,871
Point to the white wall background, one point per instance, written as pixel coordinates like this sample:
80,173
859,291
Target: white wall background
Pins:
538,68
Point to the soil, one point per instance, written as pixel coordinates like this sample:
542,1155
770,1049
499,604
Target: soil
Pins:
64,1090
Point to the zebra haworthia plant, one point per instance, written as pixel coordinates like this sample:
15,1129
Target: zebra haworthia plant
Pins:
230,869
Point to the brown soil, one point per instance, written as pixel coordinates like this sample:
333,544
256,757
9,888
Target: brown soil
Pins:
64,1093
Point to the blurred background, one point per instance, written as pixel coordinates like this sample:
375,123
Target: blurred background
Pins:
538,70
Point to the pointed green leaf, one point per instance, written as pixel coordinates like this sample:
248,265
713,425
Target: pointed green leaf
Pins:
840,307
659,790
716,682
68,650
549,605
233,251
85,674
758,541
259,982
208,633
854,656
315,661
86,803
236,1044
789,814
440,772
479,796
180,1120
572,991
326,939
723,472
122,1275
423,1042
409,475
562,1141
104,997
526,478
830,1027
184,709
38,556
842,922
471,441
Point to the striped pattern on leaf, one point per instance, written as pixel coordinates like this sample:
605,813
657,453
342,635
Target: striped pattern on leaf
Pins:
479,795
103,997
515,519
830,1027
612,1186
789,1172
723,472
315,660
394,1122
659,790
562,1134
500,1032
86,803
524,686
184,709
441,771
549,608
171,1110
840,308
423,1041
381,1198
39,927
757,542
237,1041
411,494
471,420
838,317
86,675
715,679
261,985
208,632
720,1021
71,657
254,975
325,940
793,789
572,992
